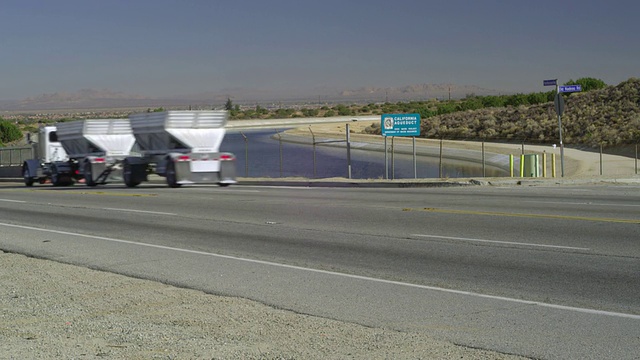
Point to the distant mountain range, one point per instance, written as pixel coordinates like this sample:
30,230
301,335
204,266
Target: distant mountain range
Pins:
107,99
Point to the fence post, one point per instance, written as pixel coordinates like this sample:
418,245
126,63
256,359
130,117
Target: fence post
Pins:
600,159
484,172
280,146
440,167
636,159
348,152
313,139
246,155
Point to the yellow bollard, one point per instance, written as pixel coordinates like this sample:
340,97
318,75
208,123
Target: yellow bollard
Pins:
544,164
511,165
553,165
522,165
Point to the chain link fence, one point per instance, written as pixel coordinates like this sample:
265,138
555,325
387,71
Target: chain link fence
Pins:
15,156
274,153
364,157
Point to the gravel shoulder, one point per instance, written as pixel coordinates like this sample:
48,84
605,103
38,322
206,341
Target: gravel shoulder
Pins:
54,310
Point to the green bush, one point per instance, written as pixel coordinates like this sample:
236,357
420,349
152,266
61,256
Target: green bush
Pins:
9,132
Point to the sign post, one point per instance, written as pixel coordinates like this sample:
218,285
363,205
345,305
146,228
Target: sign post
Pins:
399,125
558,102
559,105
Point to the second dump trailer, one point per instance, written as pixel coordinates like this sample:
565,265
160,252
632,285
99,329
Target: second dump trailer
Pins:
182,146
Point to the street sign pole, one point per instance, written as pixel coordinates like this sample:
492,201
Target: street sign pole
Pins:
559,110
559,105
561,147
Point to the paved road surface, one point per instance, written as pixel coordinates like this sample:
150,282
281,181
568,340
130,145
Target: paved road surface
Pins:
548,272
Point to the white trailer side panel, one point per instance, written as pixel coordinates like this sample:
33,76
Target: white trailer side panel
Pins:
110,137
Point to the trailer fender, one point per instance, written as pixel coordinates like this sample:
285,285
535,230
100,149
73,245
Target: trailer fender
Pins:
135,169
93,169
31,167
180,166
30,171
227,168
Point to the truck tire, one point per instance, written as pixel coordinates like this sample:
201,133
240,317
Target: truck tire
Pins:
28,180
127,175
57,180
88,175
172,179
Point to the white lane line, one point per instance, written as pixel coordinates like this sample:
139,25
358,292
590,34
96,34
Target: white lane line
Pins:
13,201
222,189
500,242
278,187
333,273
140,211
581,203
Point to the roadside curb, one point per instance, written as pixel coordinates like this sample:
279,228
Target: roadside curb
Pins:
410,183
357,184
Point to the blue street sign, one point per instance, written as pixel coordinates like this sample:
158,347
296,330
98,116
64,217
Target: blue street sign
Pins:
553,82
570,88
400,124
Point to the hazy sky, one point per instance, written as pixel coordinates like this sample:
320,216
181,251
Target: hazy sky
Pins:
162,48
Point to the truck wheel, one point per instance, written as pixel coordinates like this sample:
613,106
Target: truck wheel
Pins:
128,176
55,178
172,180
28,180
88,175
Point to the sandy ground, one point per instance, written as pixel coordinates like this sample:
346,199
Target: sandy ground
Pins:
52,310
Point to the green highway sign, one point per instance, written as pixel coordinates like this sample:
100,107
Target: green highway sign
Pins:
400,124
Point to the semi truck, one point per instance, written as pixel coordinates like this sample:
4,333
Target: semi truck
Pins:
89,150
181,146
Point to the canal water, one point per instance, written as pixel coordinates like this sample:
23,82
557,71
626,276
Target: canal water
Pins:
262,155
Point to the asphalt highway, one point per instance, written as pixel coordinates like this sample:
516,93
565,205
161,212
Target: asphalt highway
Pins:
544,271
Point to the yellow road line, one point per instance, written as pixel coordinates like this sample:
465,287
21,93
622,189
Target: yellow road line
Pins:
539,216
107,193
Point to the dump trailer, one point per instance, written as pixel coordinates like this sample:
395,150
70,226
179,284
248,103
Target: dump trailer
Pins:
94,152
182,146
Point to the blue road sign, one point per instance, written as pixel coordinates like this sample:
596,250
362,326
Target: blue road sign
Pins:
570,88
400,124
553,82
